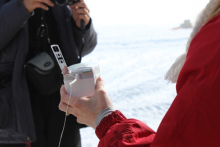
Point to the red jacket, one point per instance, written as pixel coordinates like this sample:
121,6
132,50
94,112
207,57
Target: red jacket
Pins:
193,119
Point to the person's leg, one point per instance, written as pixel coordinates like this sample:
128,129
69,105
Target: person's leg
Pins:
55,122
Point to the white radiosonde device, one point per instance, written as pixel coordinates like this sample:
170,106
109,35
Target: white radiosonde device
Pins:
81,79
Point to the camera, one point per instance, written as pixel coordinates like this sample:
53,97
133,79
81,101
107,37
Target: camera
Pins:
81,80
64,2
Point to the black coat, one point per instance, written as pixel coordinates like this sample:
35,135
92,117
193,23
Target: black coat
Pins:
16,120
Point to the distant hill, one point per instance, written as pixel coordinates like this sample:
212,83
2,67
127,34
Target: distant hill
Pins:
186,24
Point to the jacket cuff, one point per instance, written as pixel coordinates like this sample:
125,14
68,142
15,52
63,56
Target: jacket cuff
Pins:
108,121
103,114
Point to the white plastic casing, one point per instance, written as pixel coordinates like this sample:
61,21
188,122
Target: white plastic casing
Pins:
83,78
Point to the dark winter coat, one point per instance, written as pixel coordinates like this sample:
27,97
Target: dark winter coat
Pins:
16,120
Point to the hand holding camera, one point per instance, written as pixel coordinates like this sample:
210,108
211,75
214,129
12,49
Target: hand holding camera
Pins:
33,4
80,11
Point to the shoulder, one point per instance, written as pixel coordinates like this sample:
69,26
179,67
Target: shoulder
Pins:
207,41
203,55
214,20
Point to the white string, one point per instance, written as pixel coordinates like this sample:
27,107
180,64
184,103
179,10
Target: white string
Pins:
71,83
65,116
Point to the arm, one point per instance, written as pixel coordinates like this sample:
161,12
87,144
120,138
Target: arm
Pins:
13,16
116,129
81,11
90,38
191,121
193,118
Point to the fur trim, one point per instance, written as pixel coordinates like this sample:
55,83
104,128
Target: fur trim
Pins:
175,69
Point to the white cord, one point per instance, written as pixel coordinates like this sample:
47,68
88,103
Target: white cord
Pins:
76,78
64,124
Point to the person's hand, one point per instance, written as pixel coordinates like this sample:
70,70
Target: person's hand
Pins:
80,11
65,70
33,4
86,108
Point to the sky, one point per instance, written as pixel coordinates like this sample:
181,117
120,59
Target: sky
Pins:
149,12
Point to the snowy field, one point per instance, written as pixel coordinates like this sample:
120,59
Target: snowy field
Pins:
133,61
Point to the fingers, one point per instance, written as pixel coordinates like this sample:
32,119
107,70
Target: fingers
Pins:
82,14
65,103
99,84
86,109
85,18
62,91
66,97
42,6
48,2
73,108
65,70
82,11
64,107
33,4
70,100
80,5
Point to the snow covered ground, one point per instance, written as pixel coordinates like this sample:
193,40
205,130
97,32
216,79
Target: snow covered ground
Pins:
133,61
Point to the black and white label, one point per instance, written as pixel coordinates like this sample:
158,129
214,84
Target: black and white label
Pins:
57,53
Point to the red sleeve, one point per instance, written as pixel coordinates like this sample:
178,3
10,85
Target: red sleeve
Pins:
194,116
117,131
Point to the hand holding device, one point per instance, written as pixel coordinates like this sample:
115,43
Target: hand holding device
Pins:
86,109
79,79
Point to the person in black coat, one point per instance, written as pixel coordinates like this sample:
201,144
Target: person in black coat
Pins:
27,115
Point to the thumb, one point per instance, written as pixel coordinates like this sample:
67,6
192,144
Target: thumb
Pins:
65,70
99,84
